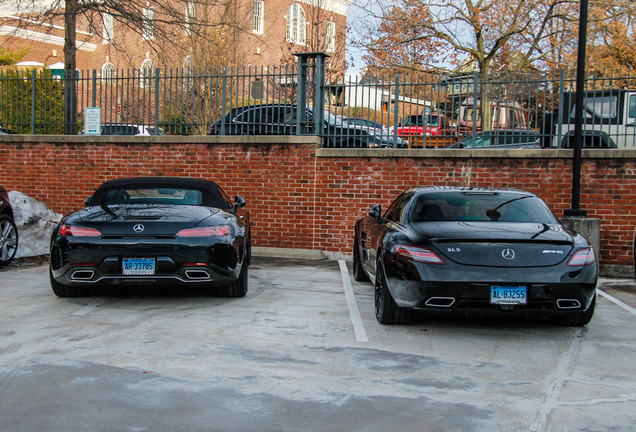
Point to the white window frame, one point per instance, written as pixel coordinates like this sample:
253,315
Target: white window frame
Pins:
108,72
149,23
109,28
331,36
296,24
146,73
258,24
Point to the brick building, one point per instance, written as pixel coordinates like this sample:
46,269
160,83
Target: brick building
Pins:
257,33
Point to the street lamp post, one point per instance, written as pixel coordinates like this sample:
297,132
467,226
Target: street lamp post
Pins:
578,116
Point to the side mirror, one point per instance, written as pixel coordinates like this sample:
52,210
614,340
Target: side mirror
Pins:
375,211
239,201
87,200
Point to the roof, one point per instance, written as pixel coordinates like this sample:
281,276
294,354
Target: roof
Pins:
212,193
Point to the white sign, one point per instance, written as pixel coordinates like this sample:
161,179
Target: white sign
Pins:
93,121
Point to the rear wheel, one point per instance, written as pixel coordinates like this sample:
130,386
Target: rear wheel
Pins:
238,288
575,319
386,310
8,239
62,290
358,270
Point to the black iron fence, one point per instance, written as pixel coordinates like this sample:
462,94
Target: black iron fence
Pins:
509,110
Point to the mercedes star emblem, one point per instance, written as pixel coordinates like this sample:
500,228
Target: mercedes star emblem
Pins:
138,228
508,254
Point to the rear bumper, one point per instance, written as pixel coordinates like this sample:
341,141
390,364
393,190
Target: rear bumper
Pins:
101,263
464,289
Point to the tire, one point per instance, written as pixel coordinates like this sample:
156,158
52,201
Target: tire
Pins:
8,240
62,290
238,288
386,311
575,319
358,271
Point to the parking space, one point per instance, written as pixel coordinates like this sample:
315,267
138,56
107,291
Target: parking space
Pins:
302,352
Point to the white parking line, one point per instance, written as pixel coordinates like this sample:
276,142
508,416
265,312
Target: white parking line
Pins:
617,302
354,312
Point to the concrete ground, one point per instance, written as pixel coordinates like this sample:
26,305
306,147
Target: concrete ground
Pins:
302,352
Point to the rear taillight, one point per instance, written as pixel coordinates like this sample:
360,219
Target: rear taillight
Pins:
582,258
68,230
213,231
418,254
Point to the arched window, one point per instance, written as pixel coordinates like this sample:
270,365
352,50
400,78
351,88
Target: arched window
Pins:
108,71
296,24
145,74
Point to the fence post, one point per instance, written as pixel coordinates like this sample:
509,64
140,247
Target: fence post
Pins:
302,95
33,95
94,98
560,112
223,99
156,131
396,110
475,100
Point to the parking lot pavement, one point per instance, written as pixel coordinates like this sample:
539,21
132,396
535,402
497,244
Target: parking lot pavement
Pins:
302,352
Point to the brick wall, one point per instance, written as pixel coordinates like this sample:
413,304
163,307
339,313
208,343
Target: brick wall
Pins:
284,179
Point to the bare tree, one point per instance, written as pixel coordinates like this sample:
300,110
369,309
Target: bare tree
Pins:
492,34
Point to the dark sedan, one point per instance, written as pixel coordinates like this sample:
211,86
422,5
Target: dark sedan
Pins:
501,139
8,230
153,231
287,119
474,251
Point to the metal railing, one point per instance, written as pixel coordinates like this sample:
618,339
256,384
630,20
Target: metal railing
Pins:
409,111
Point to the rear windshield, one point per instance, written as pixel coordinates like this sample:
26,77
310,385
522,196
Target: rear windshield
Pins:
153,196
481,206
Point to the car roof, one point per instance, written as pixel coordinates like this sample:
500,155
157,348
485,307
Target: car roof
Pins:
466,189
211,191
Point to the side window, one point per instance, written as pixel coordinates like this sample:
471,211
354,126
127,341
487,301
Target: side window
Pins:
632,106
396,211
225,198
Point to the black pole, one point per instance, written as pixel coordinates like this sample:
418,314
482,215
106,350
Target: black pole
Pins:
578,116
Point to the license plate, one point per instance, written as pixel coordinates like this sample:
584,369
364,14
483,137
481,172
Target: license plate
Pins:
138,266
508,295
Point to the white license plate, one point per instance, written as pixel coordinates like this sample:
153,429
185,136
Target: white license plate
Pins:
508,295
138,266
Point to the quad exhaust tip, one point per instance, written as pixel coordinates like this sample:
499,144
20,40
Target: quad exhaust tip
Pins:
83,275
443,302
568,304
197,274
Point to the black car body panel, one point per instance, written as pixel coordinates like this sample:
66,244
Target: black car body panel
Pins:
187,230
287,119
454,261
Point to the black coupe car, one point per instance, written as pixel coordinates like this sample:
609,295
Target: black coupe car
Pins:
474,251
8,230
153,231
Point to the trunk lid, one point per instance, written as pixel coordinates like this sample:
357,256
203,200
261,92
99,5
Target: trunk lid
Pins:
147,220
499,244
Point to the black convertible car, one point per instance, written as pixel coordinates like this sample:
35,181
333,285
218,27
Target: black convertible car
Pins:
474,251
153,231
8,230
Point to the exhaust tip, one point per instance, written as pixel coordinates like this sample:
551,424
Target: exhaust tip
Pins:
83,275
568,304
443,302
197,274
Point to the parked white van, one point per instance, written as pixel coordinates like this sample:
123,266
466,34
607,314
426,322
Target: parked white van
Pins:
608,120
